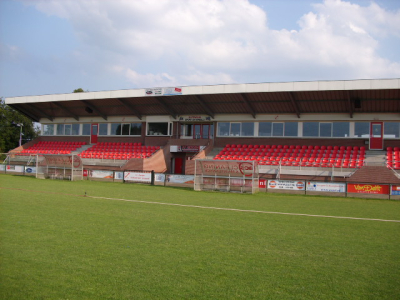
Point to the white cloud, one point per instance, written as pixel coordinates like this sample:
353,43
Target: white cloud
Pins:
181,42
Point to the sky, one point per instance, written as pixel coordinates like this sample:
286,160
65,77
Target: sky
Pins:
56,46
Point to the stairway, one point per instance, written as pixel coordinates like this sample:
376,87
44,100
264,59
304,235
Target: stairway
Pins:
374,174
213,153
375,158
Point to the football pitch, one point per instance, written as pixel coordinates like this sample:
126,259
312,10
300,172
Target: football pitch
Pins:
132,241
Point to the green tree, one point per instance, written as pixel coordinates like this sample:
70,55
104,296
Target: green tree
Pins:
79,90
9,129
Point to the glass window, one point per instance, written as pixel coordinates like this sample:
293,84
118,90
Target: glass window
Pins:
341,129
264,129
136,129
48,129
325,129
247,129
158,128
361,129
60,129
125,129
211,131
391,129
291,128
277,129
85,129
115,129
67,128
310,129
223,128
75,129
376,130
103,129
235,129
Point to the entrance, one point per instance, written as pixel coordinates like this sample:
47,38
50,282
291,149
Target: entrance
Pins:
376,136
198,131
93,133
178,165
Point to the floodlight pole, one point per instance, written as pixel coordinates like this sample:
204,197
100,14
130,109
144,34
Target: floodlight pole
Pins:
20,133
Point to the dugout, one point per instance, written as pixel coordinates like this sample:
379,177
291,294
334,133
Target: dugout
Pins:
63,167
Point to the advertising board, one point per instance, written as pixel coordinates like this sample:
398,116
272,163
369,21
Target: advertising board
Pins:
159,177
119,175
295,185
334,187
180,178
395,189
262,183
16,169
382,189
2,167
227,168
101,174
137,177
30,170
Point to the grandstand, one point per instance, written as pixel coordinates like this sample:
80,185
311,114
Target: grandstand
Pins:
321,129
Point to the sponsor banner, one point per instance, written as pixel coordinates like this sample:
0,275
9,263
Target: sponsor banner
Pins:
30,170
61,161
395,189
119,175
2,167
227,168
159,177
189,148
180,178
85,173
168,91
102,174
296,185
194,118
382,189
262,183
16,169
326,187
240,182
138,177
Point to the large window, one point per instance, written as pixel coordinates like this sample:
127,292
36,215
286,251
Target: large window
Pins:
277,129
126,128
136,129
115,129
60,129
264,129
86,129
160,128
48,129
235,129
291,128
361,129
103,129
247,129
223,128
326,129
341,129
311,129
75,129
391,129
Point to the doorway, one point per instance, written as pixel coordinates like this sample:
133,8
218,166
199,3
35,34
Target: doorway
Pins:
94,131
376,136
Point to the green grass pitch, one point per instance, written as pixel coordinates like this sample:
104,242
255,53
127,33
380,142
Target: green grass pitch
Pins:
57,244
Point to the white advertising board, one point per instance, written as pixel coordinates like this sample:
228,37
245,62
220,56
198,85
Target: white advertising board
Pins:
326,187
180,178
101,174
30,170
159,177
137,177
119,175
2,167
16,169
296,185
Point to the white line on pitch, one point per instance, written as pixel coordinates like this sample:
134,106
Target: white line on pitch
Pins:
244,210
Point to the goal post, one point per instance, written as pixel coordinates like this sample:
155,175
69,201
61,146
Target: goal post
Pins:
59,167
226,175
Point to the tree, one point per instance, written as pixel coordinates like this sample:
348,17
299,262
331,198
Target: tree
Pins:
9,129
79,90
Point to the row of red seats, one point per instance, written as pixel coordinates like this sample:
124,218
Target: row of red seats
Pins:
51,147
115,156
59,143
118,144
115,150
291,155
393,157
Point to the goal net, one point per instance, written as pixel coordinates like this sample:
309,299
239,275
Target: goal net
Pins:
59,167
226,175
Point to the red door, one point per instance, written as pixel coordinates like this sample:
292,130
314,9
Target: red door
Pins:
93,133
178,165
376,136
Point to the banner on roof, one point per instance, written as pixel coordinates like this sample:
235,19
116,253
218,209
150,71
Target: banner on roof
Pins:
101,174
16,169
382,189
334,187
227,168
137,177
296,185
168,91
395,189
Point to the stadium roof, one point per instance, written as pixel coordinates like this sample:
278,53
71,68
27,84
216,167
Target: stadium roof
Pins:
345,96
